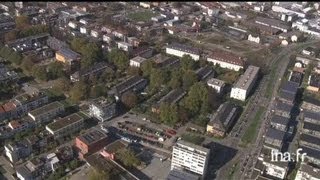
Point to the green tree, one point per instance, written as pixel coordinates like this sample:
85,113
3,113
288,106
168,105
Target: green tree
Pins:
129,99
128,158
10,36
169,114
133,71
40,73
77,44
158,77
15,57
62,84
99,175
97,91
197,96
176,79
189,78
91,53
55,70
79,91
187,63
147,67
118,58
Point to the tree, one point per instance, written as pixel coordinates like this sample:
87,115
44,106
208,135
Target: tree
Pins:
133,71
79,91
129,99
169,114
187,63
147,67
189,78
176,79
55,70
40,73
91,53
22,22
197,96
158,77
119,58
77,44
62,84
15,57
10,36
128,158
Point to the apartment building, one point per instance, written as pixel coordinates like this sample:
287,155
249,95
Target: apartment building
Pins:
172,97
310,141
311,117
244,85
134,83
226,60
307,172
216,84
17,150
190,157
137,61
66,126
180,50
274,139
283,109
46,113
223,119
102,109
279,122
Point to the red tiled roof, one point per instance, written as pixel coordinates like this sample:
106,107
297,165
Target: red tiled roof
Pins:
9,106
227,57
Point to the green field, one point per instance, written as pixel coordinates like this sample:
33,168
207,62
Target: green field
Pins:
195,139
251,133
142,15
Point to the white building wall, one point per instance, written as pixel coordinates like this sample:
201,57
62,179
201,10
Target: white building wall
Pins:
225,64
181,53
134,63
239,94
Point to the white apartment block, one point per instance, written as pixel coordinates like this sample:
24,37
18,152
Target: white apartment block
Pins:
47,112
278,170
216,84
65,126
307,172
244,85
226,60
137,61
190,157
181,50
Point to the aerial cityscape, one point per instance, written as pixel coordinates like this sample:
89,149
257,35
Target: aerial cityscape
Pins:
160,90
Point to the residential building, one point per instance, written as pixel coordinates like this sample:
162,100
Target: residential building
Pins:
93,71
180,50
32,169
66,126
216,84
283,109
226,60
312,129
311,117
279,122
275,169
172,97
288,92
91,142
102,109
224,118
69,57
245,84
47,112
310,104
190,157
204,72
273,23
274,139
307,172
110,150
314,82
177,174
163,61
17,150
253,38
310,141
134,83
137,61
312,154
125,46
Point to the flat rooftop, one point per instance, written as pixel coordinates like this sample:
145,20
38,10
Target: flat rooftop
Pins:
66,121
128,83
191,145
216,82
184,48
275,134
247,78
92,136
47,108
138,59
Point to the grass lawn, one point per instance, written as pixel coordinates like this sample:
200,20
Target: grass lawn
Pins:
229,76
251,133
142,16
193,138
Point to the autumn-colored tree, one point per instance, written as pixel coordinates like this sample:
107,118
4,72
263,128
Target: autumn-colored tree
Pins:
129,99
